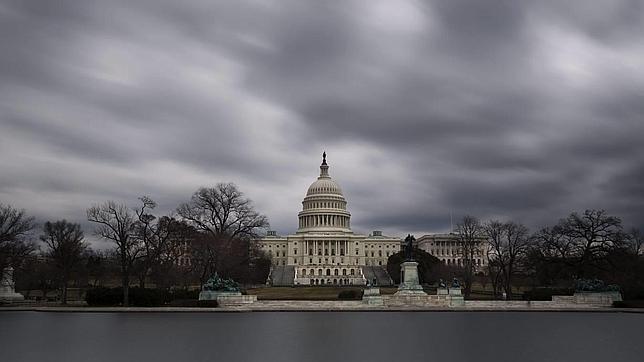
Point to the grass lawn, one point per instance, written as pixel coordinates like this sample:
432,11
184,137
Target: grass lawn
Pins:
299,293
307,293
331,292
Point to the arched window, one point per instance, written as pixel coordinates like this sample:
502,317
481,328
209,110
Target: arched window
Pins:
303,271
319,271
335,272
328,272
344,272
353,272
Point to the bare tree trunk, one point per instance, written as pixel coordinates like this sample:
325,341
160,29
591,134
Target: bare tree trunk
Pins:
126,290
64,296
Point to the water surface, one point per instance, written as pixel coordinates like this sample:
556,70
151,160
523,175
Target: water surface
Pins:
321,336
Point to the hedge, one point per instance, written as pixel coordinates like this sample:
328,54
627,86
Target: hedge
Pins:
350,294
138,297
546,293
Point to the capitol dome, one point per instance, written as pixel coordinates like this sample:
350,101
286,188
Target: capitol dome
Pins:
324,207
324,184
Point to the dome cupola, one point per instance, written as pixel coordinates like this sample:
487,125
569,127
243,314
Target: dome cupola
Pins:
324,207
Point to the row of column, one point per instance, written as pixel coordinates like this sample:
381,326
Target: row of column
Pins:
336,245
324,220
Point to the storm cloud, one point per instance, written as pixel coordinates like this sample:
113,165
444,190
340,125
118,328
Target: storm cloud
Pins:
498,109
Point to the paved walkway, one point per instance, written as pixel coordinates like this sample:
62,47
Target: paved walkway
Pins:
336,306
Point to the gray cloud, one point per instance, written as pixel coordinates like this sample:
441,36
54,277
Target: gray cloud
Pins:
499,109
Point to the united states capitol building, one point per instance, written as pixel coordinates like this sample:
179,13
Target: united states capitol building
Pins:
324,250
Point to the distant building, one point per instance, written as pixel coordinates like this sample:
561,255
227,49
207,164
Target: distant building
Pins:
324,250
447,248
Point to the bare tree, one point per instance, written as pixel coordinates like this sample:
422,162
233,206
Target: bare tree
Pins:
591,236
494,233
15,225
579,246
635,242
508,244
65,245
117,223
162,240
469,232
228,218
146,231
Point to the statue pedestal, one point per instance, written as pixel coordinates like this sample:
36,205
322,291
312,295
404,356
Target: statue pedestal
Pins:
409,283
227,299
7,295
214,294
7,292
371,296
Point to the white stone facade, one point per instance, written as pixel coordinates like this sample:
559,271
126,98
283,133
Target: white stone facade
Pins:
324,250
447,248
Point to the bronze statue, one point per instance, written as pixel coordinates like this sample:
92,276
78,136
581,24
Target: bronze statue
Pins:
217,283
409,246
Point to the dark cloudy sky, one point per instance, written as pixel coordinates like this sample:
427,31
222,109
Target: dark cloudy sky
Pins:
501,109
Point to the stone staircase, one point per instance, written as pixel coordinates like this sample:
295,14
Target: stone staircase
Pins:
282,275
379,273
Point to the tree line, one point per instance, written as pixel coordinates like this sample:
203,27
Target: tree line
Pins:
588,245
215,231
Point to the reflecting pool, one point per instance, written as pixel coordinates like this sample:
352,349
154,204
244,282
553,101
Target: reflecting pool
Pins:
322,336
